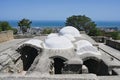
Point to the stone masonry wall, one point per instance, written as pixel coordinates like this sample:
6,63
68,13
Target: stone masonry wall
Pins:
113,43
6,36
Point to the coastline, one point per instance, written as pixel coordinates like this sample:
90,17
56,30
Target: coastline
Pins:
59,24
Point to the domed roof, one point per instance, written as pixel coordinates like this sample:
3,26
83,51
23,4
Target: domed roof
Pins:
70,30
70,37
52,35
82,43
84,47
58,43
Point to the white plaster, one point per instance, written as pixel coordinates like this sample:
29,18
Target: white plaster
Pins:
89,52
82,43
84,46
58,43
34,42
52,35
70,30
70,37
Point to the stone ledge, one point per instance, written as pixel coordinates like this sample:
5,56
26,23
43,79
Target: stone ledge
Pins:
50,77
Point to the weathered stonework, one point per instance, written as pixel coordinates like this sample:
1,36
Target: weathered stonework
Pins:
6,36
34,60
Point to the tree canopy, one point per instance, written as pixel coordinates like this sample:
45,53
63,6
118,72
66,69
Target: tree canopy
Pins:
24,24
4,25
82,22
115,35
47,31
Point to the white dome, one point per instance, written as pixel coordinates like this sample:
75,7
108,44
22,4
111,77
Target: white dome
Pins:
70,37
84,47
82,43
58,43
52,35
70,30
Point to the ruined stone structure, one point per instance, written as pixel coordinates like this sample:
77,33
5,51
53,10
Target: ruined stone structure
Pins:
113,43
61,53
64,55
6,36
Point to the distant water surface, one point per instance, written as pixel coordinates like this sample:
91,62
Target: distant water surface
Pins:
108,23
13,23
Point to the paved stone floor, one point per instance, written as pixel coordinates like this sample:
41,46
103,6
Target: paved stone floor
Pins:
11,43
109,77
113,52
50,77
109,53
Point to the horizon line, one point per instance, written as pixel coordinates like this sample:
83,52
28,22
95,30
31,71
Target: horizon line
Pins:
60,20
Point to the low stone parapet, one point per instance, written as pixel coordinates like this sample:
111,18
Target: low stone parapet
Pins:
6,36
50,77
113,44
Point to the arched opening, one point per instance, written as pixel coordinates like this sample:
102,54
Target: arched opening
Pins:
92,65
98,67
58,64
28,54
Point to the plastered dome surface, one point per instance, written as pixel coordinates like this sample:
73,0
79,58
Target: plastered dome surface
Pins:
84,47
70,30
60,42
70,37
82,43
52,35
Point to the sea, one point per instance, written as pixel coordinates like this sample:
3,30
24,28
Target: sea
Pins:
52,24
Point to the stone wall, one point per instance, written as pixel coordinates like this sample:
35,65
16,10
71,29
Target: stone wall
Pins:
100,39
108,41
113,44
6,36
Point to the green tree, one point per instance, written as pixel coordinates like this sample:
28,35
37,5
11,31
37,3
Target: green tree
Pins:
24,24
95,32
4,25
82,22
115,35
47,31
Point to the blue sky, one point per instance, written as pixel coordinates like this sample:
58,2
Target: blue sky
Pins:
97,10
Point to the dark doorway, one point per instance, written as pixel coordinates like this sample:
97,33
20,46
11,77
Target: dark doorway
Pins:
103,69
28,55
58,65
92,65
98,67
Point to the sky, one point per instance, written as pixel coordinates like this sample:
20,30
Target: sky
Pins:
97,10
